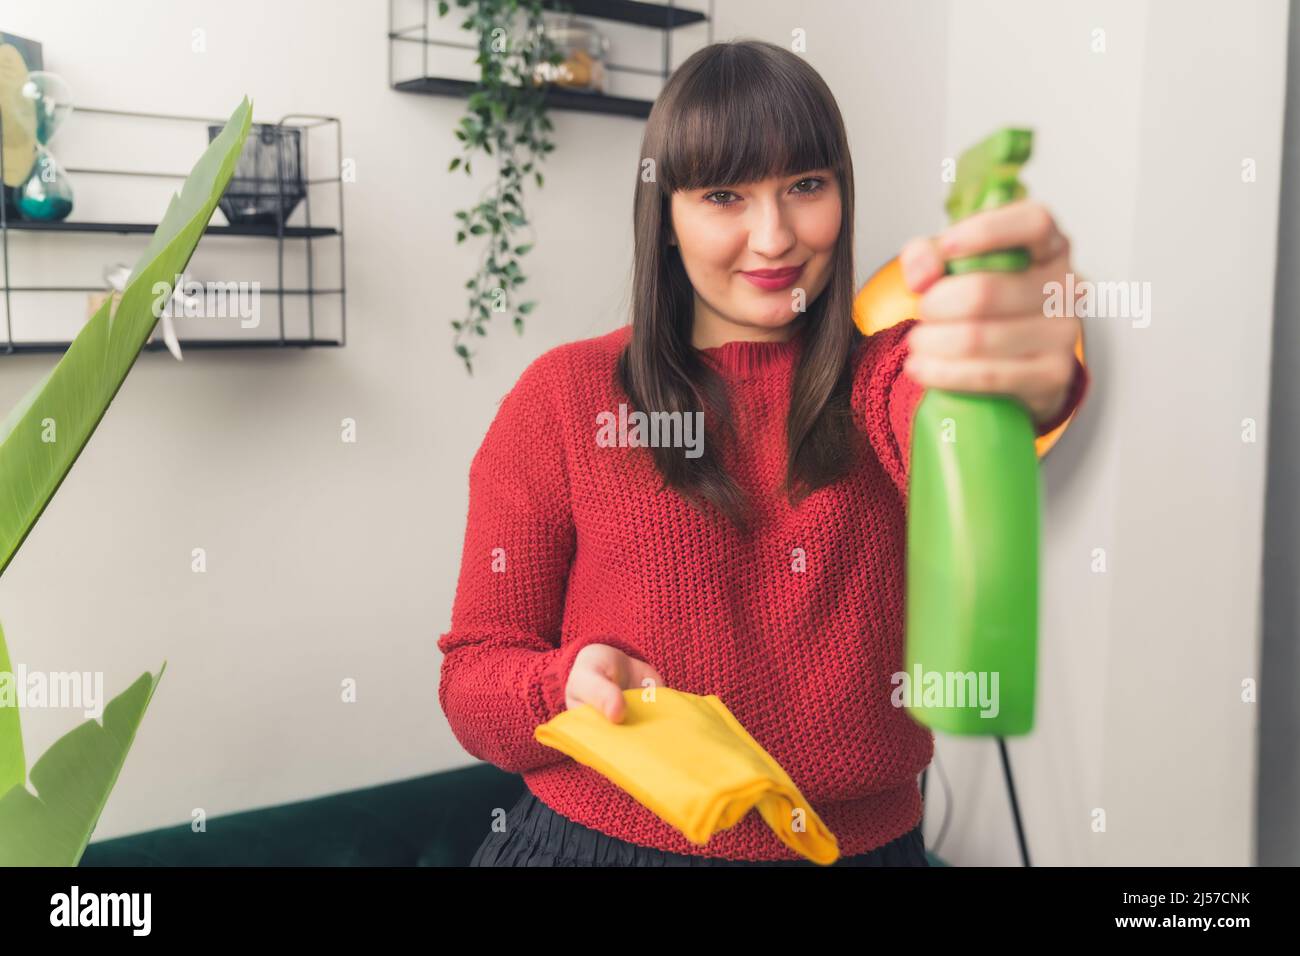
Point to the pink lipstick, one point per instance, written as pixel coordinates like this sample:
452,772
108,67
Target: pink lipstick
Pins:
773,280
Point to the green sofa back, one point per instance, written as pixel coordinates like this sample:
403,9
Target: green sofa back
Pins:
437,820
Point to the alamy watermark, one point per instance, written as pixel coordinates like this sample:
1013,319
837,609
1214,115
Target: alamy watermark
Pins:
654,429
131,910
1104,300
188,298
960,689
58,690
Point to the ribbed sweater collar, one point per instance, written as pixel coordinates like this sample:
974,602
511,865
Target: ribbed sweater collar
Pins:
744,360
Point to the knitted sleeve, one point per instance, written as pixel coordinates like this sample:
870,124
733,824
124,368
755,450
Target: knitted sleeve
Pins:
503,669
886,399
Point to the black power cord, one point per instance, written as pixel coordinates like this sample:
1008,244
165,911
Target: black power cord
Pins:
947,801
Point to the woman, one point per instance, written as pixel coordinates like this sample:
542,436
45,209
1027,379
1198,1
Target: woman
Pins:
765,565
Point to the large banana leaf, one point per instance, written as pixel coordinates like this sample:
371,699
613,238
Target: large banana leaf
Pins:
13,767
91,371
72,783
39,442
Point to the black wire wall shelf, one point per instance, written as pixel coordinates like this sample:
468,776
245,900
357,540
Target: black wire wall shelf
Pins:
147,228
665,17
278,231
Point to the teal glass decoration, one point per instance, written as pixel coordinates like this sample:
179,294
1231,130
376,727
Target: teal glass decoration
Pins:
46,195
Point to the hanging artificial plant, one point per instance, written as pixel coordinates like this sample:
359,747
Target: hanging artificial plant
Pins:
507,120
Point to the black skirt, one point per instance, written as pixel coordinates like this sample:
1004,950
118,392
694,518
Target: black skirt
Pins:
535,835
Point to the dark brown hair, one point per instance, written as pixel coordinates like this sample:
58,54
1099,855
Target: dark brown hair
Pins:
732,113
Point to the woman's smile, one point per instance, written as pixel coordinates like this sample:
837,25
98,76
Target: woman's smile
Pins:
773,280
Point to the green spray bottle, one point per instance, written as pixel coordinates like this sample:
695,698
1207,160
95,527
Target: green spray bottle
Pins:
973,516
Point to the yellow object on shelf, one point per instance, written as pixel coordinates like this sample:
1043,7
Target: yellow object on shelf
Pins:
686,758
96,299
885,300
18,116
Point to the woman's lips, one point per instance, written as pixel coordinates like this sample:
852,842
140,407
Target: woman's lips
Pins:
773,280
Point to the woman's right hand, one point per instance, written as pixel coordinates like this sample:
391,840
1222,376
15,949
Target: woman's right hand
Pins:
599,675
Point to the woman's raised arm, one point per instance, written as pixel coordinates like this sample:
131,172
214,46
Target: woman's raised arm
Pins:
886,398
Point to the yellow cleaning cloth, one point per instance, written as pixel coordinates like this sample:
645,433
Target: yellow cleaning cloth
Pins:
687,758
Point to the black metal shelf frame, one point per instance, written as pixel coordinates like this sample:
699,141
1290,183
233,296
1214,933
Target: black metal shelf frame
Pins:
665,17
279,232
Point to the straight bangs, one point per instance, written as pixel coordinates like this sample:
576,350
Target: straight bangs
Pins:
731,128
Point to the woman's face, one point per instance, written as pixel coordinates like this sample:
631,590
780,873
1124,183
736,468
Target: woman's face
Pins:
725,232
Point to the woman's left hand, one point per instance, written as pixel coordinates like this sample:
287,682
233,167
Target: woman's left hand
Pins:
990,331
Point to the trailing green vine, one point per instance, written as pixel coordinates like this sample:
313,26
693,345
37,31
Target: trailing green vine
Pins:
507,120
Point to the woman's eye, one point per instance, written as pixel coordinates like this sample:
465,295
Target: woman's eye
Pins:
818,185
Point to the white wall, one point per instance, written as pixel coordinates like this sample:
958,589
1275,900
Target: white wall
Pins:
1139,151
327,560
330,561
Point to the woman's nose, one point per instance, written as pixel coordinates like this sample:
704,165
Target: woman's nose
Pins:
770,235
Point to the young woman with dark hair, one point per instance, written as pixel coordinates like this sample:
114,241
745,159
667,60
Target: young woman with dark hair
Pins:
766,565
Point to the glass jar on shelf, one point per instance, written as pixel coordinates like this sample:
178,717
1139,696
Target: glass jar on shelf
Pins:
584,49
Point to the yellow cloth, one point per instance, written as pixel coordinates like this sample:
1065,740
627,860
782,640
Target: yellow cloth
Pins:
687,758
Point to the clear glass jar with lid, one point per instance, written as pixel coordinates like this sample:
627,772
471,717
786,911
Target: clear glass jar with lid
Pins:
584,49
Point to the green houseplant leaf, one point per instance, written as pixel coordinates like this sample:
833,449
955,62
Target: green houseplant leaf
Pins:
13,767
39,442
72,782
46,440
95,364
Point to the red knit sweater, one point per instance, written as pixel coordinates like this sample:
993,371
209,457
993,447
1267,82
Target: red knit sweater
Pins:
569,543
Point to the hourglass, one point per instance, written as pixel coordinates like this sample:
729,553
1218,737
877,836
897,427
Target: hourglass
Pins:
47,194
